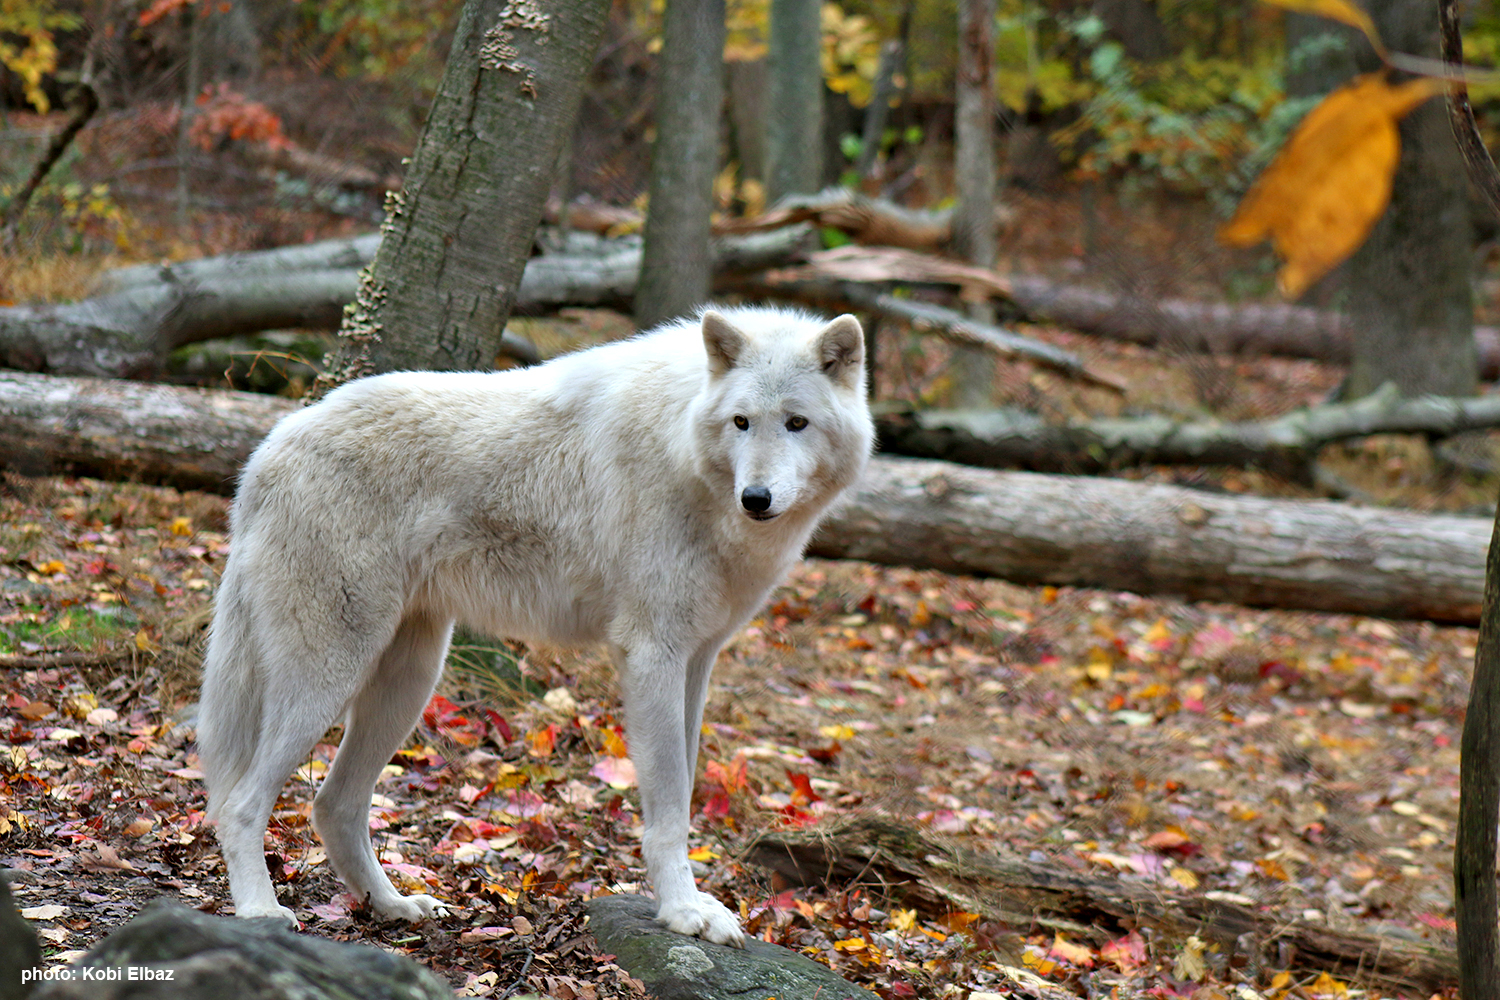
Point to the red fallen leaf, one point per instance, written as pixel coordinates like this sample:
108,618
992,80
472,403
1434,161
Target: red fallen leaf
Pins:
802,789
717,806
438,708
732,777
1127,953
902,989
1281,671
826,755
965,606
1437,922
16,701
1172,840
498,723
868,605
794,817
100,566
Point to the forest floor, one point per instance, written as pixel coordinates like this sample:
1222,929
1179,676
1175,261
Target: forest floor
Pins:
1304,764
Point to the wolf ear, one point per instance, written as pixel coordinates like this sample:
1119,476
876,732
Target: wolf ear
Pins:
723,342
841,351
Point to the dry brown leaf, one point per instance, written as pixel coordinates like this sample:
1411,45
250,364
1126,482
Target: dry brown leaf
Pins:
1320,197
107,860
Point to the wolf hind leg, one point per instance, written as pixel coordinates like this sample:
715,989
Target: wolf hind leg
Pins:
291,719
380,718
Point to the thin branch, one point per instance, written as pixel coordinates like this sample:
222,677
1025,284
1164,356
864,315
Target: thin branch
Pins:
88,103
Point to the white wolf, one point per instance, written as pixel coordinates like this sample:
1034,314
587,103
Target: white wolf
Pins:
646,495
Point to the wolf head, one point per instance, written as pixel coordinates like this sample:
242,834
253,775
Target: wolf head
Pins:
783,425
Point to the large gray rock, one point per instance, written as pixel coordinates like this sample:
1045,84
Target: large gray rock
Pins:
675,967
223,958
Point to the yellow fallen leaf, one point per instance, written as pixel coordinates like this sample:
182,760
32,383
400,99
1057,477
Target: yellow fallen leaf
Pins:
51,567
1184,877
703,854
182,526
1323,193
1158,632
836,732
1337,10
145,643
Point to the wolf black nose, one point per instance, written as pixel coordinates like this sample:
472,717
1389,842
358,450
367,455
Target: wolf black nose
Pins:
756,499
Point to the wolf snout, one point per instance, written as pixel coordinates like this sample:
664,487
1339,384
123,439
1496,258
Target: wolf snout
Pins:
757,502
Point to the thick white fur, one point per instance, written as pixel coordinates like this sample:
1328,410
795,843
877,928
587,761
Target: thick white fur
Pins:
593,499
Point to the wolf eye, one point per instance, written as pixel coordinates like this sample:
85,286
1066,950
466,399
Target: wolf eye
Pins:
741,423
796,423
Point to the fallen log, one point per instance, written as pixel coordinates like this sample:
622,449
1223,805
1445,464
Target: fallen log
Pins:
1288,445
940,878
1214,327
145,312
1032,528
1020,526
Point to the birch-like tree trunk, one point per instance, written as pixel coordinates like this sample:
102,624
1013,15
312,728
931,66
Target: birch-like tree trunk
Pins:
676,265
794,121
973,371
458,234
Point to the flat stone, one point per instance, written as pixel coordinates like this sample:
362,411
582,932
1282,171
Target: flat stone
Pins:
675,967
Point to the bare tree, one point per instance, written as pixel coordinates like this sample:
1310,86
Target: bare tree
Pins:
677,266
974,173
457,236
794,122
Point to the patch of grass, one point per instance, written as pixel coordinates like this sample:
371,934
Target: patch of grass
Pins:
80,629
490,669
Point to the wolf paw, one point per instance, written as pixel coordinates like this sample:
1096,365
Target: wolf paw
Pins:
412,909
703,916
270,912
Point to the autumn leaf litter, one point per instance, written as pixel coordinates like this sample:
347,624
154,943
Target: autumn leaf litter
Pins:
1303,765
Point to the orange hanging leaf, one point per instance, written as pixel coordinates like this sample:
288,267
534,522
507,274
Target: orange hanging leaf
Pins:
1337,10
1320,197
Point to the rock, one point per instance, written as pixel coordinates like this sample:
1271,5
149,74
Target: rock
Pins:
19,949
225,958
675,967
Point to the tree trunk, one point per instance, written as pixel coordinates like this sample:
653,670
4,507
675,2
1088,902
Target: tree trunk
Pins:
458,235
676,268
746,81
1020,526
1410,297
794,123
939,877
973,371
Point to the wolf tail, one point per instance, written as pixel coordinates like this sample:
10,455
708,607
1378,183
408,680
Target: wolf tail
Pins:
230,704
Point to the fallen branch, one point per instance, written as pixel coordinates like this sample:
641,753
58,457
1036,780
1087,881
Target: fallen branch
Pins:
1021,526
959,329
1289,445
1022,893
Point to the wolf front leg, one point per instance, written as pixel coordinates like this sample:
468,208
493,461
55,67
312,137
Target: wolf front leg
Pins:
654,682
